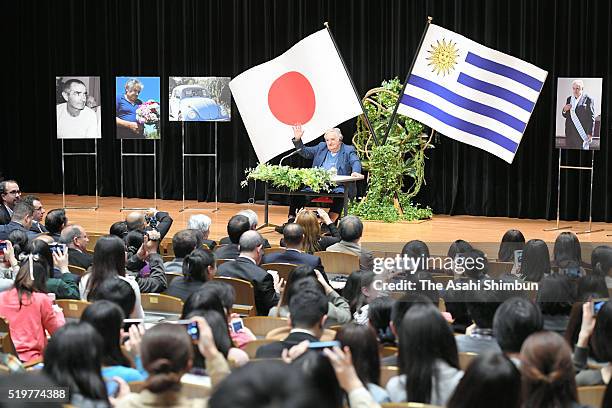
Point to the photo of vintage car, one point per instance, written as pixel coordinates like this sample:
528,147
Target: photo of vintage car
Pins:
194,103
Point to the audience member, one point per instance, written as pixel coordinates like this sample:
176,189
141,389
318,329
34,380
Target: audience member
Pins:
308,311
479,337
21,220
351,230
547,372
29,311
150,219
198,268
591,286
119,292
253,221
56,221
567,255
9,266
119,229
359,291
9,195
202,223
183,242
515,320
601,262
154,281
379,318
75,237
236,226
246,267
293,237
208,297
38,213
535,263
314,241
20,240
491,380
596,331
428,359
458,247
60,281
555,297
513,240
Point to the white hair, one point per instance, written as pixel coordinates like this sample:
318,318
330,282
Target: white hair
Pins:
199,222
251,215
578,82
334,130
132,82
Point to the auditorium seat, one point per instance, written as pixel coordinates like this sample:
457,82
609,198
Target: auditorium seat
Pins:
386,373
244,304
465,359
262,325
170,276
72,309
77,270
282,332
283,269
221,261
338,262
159,303
273,250
591,395
5,338
251,347
499,269
387,351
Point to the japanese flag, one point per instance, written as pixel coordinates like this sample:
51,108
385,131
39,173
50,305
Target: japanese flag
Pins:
306,85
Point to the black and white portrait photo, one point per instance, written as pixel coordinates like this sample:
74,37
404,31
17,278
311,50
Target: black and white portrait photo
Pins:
77,107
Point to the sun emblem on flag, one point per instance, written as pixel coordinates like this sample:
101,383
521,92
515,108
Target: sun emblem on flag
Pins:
443,57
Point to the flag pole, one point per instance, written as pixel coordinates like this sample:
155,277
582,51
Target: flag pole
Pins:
365,115
399,98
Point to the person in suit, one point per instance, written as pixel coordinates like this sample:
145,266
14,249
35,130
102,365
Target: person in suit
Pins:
579,115
253,221
76,239
246,266
351,230
159,220
20,220
293,236
56,221
308,311
37,226
236,226
202,223
333,155
9,195
183,242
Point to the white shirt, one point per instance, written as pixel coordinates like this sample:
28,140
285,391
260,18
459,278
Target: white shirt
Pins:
137,313
83,126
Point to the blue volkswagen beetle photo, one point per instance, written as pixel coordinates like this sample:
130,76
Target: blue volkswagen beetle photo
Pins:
191,103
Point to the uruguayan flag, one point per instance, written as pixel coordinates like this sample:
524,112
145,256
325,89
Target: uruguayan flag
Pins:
472,93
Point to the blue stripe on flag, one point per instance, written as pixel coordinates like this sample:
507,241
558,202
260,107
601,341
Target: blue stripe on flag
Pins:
504,70
497,91
460,124
466,103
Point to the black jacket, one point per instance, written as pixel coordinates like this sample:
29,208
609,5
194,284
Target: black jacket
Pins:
226,240
275,350
156,282
5,217
229,251
263,284
38,228
78,258
294,257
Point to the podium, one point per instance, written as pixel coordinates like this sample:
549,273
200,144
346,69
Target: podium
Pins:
346,181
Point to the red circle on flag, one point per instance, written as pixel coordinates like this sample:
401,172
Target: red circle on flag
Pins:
291,98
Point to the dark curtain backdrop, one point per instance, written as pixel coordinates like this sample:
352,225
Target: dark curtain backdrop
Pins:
108,38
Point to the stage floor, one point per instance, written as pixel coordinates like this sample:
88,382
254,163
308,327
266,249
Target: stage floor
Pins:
438,232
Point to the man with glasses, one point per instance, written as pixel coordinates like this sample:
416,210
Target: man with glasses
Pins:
74,119
39,211
9,195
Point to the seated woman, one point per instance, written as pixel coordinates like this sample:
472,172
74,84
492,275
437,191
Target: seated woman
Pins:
535,263
547,371
198,268
598,331
379,318
314,241
29,311
167,355
601,262
567,255
109,263
513,240
66,286
359,291
555,298
339,311
428,358
73,359
362,342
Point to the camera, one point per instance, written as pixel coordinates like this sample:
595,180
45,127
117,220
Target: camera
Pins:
57,248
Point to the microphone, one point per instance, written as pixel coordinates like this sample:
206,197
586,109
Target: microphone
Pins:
280,163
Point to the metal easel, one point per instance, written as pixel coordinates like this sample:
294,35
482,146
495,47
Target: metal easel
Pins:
154,155
95,155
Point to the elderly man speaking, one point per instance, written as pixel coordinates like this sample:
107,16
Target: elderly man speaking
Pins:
332,155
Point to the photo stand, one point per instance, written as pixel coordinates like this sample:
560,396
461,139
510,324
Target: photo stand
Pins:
154,155
590,228
215,155
86,154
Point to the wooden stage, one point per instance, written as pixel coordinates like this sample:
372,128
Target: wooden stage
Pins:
437,233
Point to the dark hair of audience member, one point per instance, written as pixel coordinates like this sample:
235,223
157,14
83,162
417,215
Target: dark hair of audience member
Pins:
361,340
293,234
535,261
350,228
119,229
321,378
107,318
353,290
236,226
183,242
167,354
226,293
108,262
220,332
469,261
379,318
424,337
458,247
548,371
20,241
73,359
206,298
119,292
55,220
24,283
607,399
268,383
133,240
482,306
41,248
515,320
555,295
567,252
512,240
601,340
297,274
308,306
491,380
601,260
591,286
416,249
401,306
196,264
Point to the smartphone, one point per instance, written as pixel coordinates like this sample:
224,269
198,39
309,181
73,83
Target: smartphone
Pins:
112,388
3,246
129,322
320,345
58,248
597,305
192,328
236,325
518,258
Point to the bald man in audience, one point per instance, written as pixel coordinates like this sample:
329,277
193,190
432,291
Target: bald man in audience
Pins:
160,220
76,239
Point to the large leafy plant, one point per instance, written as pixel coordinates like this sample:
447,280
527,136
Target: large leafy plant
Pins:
291,178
